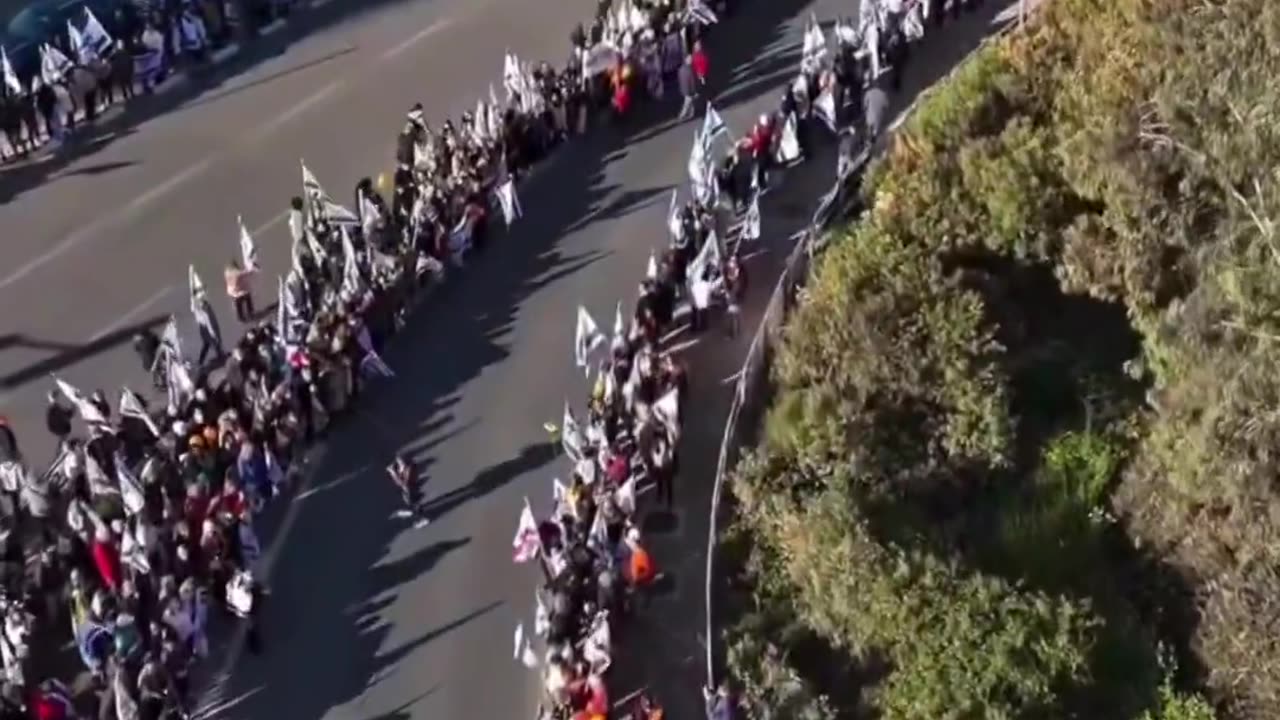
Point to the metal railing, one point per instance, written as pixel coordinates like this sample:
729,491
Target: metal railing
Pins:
750,390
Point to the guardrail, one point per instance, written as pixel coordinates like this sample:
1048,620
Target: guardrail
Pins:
749,395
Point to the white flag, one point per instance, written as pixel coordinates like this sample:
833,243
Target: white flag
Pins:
667,410
95,36
88,411
130,488
131,406
586,338
697,165
708,258
74,41
824,106
178,381
518,641
846,34
674,226
171,340
196,286
751,223
789,144
571,434
559,492
527,657
651,270
526,543
625,496
352,281
53,64
815,46
10,77
698,12
712,126
619,328
320,207
509,201
598,535
248,249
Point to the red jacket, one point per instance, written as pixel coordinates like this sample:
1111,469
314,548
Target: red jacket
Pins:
701,65
107,559
760,139
622,99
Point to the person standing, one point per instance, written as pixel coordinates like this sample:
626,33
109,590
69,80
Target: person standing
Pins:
244,597
237,279
760,143
688,81
701,64
735,290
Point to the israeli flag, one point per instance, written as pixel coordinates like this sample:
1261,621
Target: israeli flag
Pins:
95,36
10,77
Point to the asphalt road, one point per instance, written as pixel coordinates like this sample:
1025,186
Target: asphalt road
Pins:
370,618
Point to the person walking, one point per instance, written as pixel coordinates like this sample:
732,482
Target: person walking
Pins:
237,279
405,478
688,82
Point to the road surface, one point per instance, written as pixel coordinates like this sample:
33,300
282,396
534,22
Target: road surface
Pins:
369,618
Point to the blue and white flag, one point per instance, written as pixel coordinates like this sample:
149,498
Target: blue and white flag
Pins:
712,126
95,36
10,77
320,207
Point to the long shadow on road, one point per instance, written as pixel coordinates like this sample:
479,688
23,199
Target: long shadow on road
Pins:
663,647
329,616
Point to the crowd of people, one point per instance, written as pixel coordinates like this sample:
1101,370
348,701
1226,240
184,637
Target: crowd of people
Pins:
92,65
593,557
141,535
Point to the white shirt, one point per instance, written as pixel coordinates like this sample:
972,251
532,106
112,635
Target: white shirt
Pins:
700,291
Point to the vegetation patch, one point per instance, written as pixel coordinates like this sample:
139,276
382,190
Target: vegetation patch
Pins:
1021,457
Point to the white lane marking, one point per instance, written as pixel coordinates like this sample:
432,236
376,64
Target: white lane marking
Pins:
306,104
77,238
88,231
132,315
417,37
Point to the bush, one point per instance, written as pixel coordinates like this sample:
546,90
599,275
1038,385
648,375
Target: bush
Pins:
1131,148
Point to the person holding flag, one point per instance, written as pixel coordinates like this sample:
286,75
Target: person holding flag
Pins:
760,143
238,289
206,320
405,478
